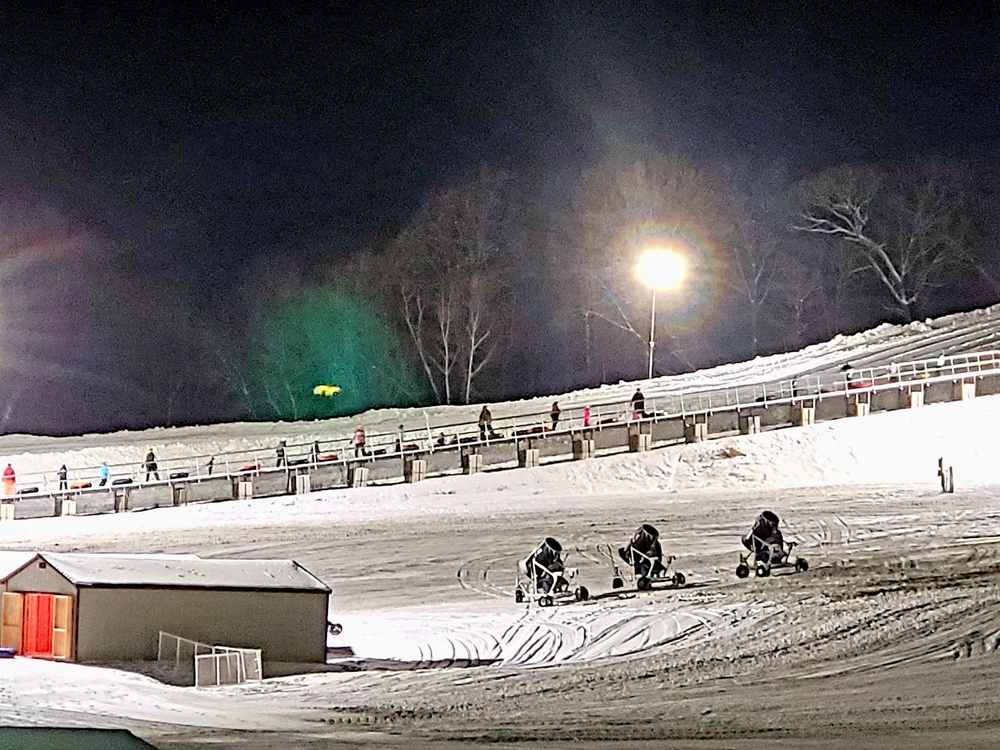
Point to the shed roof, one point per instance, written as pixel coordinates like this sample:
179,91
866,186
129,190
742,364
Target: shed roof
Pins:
11,562
178,571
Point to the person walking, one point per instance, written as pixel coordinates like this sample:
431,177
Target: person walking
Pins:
9,481
62,474
105,475
210,466
586,416
638,403
359,442
556,411
485,422
149,464
279,453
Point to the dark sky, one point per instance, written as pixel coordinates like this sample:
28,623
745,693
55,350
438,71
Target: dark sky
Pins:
221,139
339,117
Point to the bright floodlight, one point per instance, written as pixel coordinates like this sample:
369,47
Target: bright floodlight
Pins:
661,269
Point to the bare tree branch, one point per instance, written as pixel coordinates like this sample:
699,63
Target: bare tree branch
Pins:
413,306
907,228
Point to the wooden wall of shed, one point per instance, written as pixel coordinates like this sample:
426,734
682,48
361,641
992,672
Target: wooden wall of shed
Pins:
123,624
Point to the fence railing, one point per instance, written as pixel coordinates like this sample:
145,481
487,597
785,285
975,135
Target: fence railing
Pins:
665,403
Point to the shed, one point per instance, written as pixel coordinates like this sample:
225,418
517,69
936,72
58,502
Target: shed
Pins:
111,608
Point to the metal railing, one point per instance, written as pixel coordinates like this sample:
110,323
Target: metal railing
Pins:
658,406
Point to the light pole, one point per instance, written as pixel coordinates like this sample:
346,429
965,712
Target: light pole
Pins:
652,334
660,269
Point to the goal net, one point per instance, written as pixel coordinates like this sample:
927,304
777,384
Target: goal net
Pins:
213,665
227,666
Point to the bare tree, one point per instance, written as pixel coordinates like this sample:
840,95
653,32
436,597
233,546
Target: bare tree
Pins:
413,316
806,299
278,384
230,366
755,256
445,314
450,268
908,227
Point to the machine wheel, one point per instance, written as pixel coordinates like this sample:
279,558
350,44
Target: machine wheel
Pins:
763,571
679,579
617,582
582,594
518,595
801,565
545,601
643,584
742,570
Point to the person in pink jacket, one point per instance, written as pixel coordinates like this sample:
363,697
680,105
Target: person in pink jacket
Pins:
9,481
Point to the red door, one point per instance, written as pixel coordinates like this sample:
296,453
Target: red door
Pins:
39,613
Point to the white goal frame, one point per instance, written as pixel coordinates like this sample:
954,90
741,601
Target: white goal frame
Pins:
213,665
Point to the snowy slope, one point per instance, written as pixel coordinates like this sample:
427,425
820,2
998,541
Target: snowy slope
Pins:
892,627
37,458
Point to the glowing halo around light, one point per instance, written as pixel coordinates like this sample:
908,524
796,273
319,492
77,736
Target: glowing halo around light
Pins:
661,268
699,304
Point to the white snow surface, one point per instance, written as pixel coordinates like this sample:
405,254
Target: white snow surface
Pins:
428,626
422,576
11,562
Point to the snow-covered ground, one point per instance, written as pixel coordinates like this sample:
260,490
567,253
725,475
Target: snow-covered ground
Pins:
903,578
891,638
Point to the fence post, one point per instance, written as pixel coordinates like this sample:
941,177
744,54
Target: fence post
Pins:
947,476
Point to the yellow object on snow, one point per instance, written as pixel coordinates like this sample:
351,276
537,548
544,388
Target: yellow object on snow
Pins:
326,390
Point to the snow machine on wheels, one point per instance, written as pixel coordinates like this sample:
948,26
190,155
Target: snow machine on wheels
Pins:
767,549
769,557
646,567
544,579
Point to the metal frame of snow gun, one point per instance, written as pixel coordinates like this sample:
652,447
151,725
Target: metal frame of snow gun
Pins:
764,564
548,587
663,578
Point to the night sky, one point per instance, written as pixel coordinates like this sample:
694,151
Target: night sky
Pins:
157,158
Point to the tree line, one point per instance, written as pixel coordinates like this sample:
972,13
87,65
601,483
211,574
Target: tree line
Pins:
492,291
502,284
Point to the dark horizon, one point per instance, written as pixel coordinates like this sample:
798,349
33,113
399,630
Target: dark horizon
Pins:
176,177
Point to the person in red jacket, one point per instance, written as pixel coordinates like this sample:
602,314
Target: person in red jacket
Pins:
9,481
